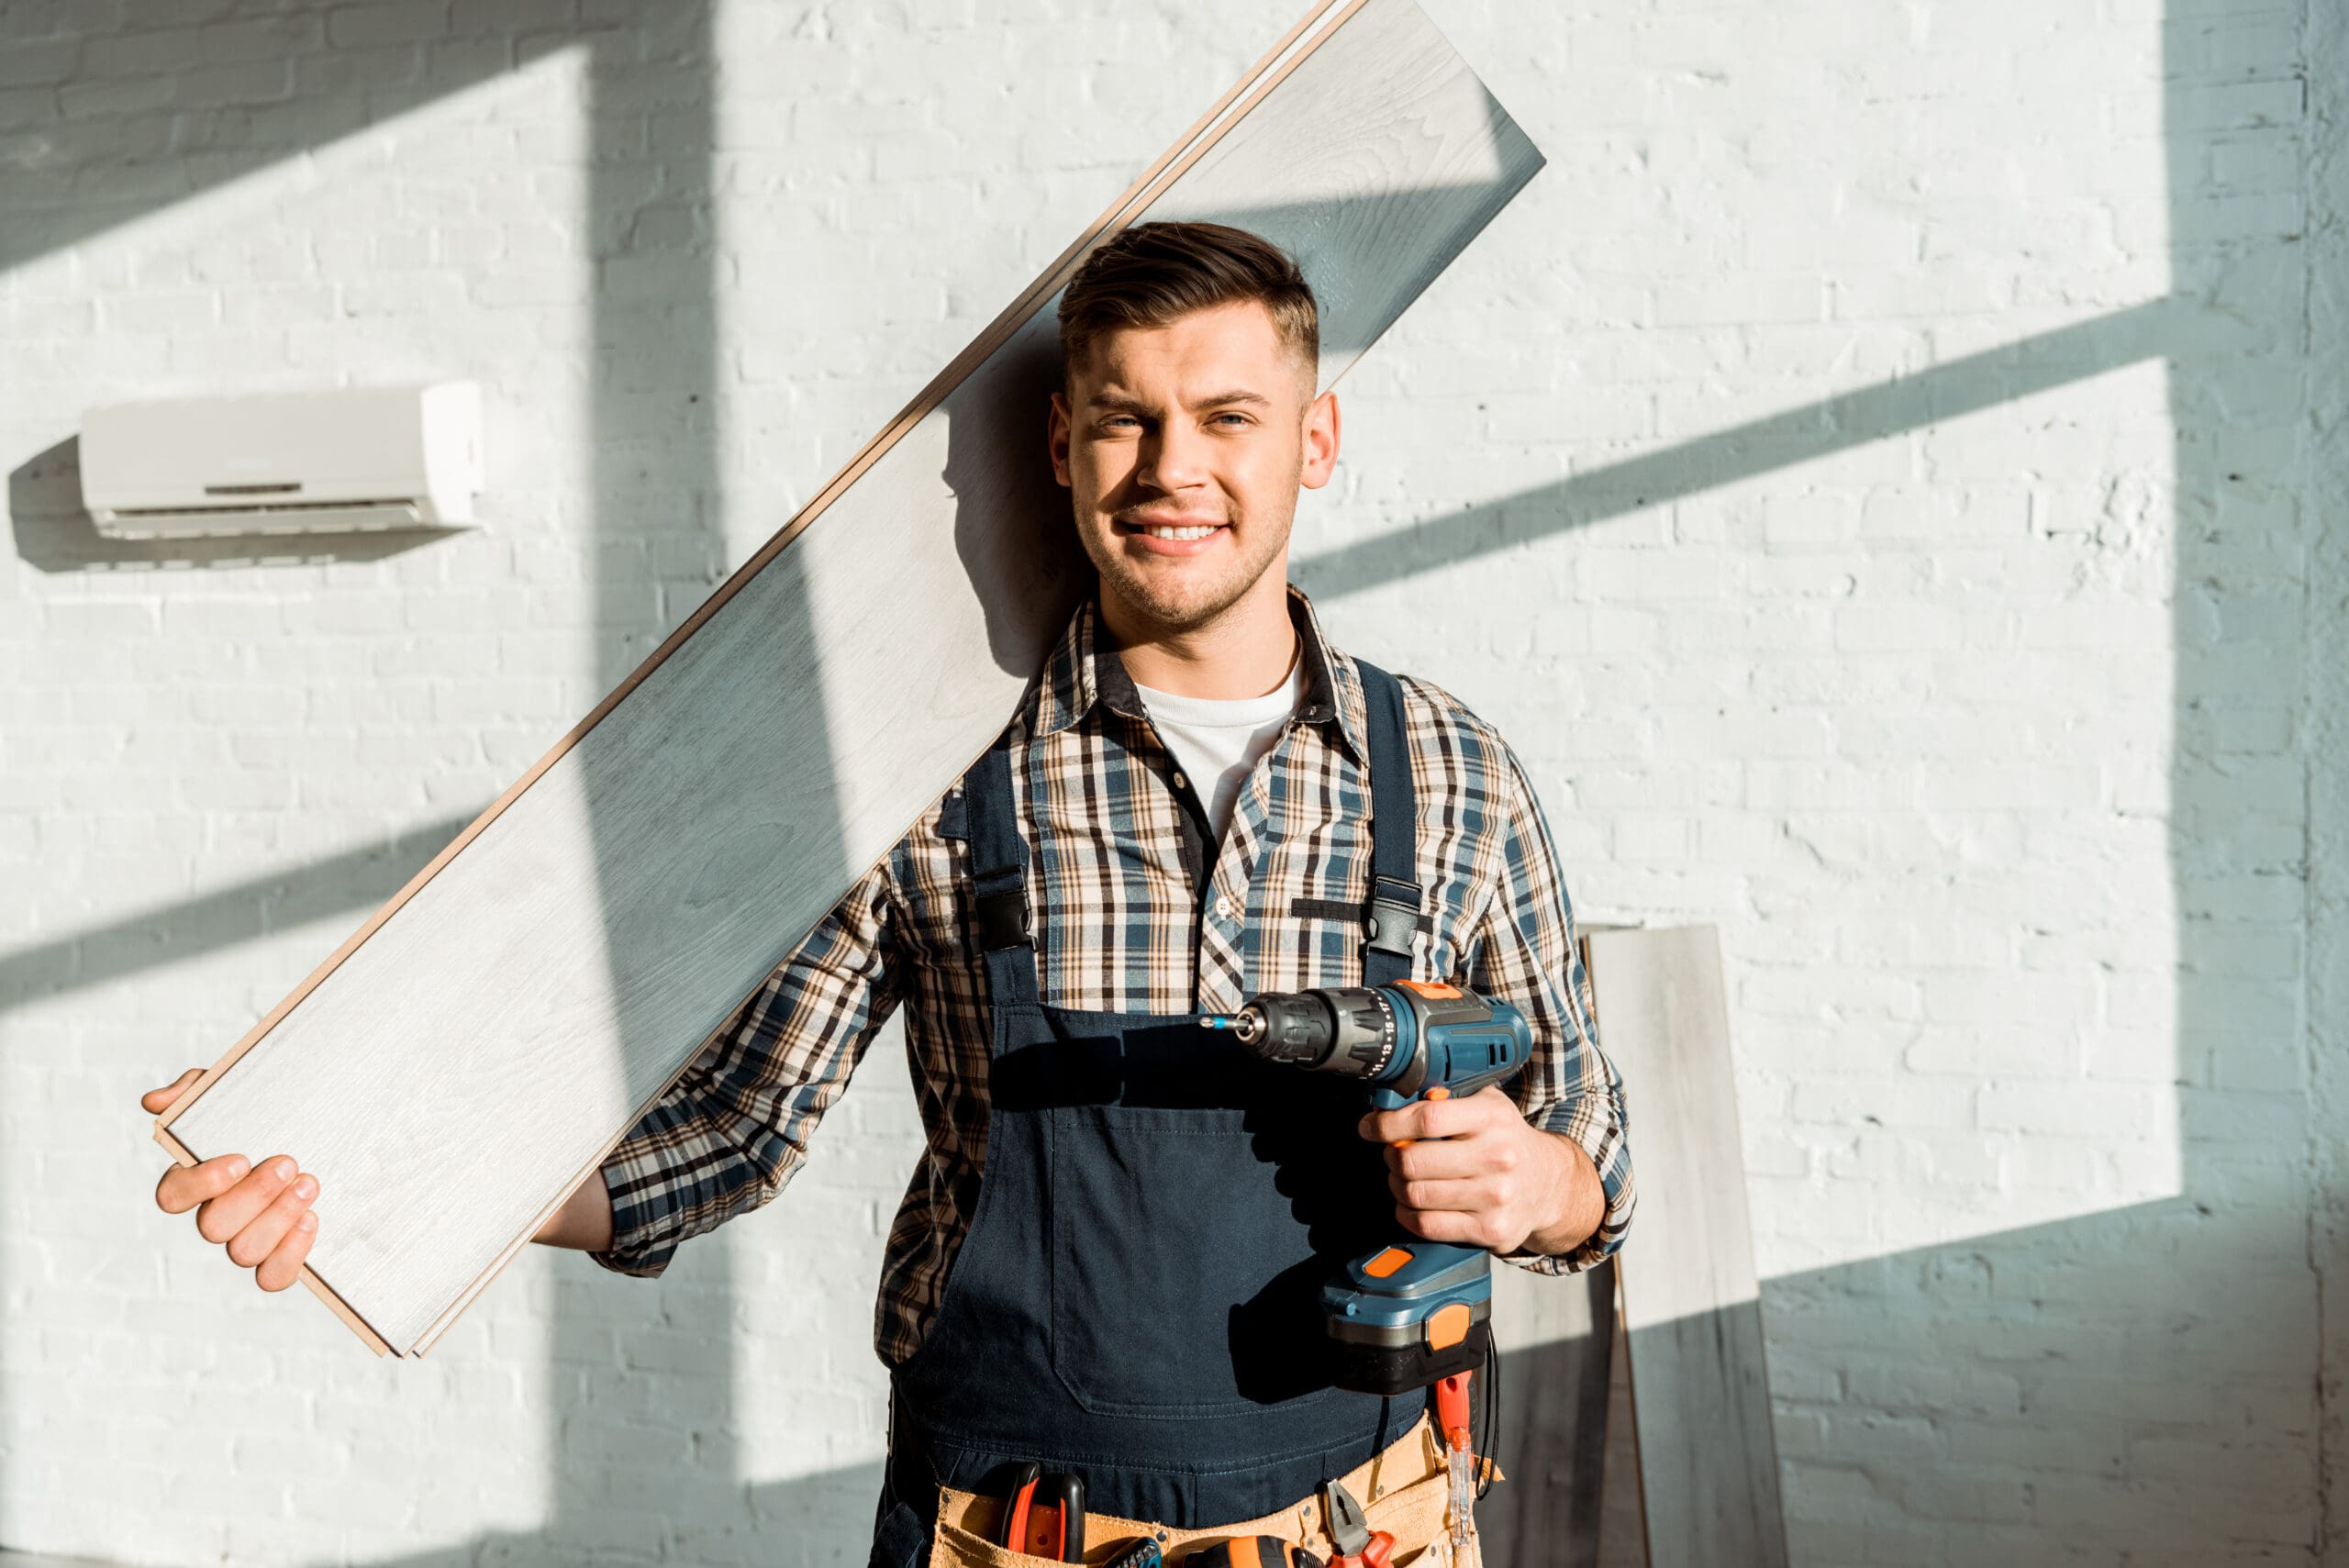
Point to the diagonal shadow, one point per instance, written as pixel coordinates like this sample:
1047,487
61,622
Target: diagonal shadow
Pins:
1907,404
152,131
361,878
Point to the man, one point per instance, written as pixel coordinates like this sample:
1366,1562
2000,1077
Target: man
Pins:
1107,1263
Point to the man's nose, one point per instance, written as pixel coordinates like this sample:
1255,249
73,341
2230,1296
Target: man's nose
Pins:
1174,458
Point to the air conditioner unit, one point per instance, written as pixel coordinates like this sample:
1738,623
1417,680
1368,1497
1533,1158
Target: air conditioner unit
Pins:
325,462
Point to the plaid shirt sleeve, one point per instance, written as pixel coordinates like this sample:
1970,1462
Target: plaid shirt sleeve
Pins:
1524,949
730,1133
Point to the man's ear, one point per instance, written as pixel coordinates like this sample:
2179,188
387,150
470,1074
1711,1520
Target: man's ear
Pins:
1056,436
1321,440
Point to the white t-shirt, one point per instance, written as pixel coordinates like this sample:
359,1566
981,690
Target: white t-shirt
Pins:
1216,742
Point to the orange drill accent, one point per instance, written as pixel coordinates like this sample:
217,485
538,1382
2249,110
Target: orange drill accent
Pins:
1386,1262
1433,988
1449,1326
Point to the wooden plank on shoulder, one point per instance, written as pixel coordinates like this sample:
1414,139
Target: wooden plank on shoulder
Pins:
1701,1394
475,1049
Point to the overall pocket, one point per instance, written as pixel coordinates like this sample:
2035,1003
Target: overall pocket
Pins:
1186,1273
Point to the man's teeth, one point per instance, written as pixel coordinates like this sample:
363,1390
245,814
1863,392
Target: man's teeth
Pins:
1161,531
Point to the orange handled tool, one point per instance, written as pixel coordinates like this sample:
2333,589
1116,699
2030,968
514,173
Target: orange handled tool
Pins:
1359,1546
1044,1514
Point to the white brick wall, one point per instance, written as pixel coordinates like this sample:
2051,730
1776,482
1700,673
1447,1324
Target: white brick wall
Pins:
1886,477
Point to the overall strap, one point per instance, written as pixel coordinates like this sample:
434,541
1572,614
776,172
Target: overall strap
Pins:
1002,928
1394,910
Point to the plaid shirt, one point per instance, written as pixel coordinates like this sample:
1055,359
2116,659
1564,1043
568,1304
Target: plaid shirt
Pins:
1137,910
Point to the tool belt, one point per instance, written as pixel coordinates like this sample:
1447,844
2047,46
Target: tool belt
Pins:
1402,1489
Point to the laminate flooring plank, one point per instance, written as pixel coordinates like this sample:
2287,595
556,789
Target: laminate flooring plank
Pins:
1701,1395
1557,1338
484,1041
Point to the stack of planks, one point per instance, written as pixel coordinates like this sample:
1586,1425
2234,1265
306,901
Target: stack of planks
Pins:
475,1049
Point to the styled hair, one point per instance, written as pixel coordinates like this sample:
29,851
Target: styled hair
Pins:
1154,273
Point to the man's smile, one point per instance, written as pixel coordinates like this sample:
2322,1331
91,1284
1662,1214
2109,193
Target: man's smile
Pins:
1171,535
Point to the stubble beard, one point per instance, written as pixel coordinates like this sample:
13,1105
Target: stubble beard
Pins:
1178,601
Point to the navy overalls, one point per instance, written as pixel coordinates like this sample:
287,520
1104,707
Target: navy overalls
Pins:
1138,1297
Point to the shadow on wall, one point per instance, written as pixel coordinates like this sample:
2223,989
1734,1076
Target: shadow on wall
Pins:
2030,1375
644,1446
359,879
54,533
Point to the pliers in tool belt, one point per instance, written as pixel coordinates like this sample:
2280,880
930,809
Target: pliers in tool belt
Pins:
1359,1546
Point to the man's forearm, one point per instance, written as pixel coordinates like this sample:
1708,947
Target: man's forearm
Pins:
584,1220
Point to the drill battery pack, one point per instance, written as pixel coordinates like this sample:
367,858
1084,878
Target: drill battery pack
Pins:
1412,1315
1399,1368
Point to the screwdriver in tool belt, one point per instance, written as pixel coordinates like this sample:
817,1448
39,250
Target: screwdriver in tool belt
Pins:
1452,1414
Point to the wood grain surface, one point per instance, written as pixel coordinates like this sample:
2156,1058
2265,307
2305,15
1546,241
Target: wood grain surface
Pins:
1701,1394
1557,1341
475,1050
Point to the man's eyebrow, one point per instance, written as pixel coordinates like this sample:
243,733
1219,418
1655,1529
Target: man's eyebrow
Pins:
1135,406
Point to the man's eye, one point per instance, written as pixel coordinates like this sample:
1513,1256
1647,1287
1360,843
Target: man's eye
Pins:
1234,419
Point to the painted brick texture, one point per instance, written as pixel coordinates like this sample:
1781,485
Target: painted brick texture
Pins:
1886,477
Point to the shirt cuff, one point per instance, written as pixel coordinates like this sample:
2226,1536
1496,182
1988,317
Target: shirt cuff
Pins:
644,1245
1596,1130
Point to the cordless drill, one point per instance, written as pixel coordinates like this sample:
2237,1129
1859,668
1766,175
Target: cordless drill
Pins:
1414,1312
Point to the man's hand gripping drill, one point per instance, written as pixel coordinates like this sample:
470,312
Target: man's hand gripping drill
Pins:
1416,1312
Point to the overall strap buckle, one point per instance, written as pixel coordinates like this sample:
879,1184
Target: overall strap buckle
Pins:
1393,915
1002,919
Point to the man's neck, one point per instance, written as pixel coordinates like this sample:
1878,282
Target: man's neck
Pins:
1244,653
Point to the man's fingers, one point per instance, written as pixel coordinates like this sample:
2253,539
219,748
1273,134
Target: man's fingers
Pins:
1414,1120
1445,1225
1436,1118
155,1102
284,1264
224,1216
1442,1160
185,1186
262,1234
1475,1196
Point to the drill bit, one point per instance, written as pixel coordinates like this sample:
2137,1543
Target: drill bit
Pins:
1248,1023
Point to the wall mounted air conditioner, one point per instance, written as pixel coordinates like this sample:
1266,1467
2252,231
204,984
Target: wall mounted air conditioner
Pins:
325,462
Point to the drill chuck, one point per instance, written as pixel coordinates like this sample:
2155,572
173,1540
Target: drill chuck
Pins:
1350,1030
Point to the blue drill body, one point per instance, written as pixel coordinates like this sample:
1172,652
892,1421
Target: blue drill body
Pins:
1414,1311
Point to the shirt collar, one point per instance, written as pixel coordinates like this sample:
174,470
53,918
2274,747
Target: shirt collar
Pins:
1084,670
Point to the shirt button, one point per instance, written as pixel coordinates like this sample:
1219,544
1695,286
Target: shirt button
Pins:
1225,907
1182,783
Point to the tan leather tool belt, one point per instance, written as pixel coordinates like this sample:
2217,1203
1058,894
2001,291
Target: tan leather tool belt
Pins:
1401,1488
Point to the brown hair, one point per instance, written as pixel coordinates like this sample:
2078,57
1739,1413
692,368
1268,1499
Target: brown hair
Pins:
1155,273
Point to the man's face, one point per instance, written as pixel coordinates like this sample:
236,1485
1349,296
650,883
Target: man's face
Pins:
1183,447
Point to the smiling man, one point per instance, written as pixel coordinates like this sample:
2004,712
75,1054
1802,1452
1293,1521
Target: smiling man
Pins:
1107,1264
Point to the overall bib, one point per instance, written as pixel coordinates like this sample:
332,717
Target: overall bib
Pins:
1138,1297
